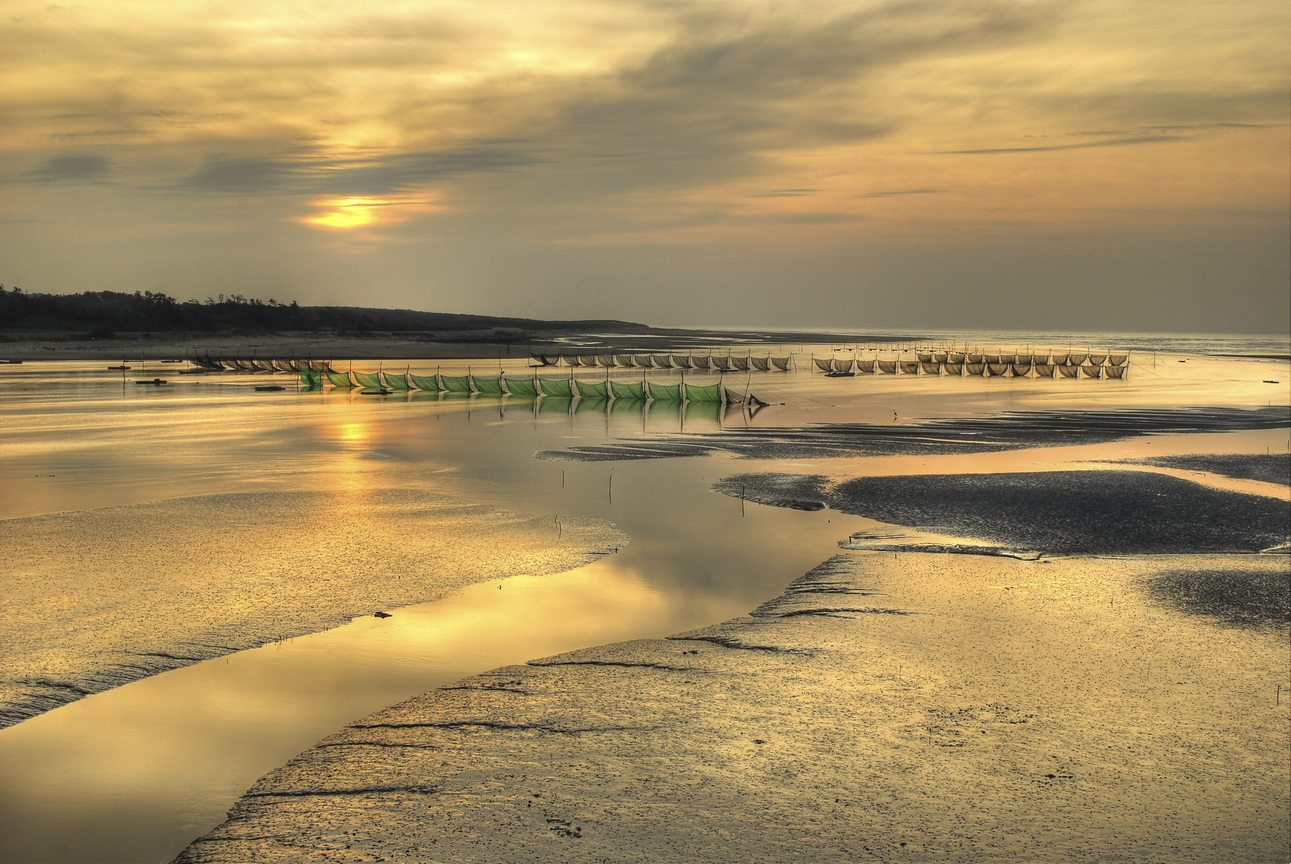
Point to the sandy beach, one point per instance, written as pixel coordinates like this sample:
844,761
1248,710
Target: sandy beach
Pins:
886,708
1047,665
1044,599
195,590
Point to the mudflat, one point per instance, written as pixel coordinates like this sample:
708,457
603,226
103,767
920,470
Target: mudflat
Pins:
144,588
886,707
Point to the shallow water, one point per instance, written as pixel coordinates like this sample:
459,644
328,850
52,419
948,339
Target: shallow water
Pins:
135,773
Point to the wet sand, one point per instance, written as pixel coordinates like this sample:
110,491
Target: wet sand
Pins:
1045,512
795,700
141,589
907,708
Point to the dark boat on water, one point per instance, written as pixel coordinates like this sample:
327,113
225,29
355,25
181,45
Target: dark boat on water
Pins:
156,382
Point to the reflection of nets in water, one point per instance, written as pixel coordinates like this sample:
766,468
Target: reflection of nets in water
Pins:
554,405
702,411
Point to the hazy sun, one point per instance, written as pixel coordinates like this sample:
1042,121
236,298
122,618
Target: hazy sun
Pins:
347,214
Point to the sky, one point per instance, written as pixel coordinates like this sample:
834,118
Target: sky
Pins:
1076,165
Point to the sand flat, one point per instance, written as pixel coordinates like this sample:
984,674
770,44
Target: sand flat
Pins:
140,589
1012,711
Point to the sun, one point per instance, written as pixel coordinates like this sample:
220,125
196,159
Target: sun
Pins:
348,214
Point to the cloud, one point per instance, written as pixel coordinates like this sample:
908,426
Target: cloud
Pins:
785,193
901,192
401,172
72,169
243,175
1112,142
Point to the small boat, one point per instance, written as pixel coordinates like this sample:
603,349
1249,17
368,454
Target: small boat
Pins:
368,392
156,381
840,374
172,361
270,388
10,362
117,368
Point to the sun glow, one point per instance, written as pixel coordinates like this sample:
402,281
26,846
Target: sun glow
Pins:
348,214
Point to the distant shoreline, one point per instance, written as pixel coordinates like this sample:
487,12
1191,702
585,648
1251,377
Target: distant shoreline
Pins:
394,345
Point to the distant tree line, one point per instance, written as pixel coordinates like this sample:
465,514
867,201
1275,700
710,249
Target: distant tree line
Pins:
101,314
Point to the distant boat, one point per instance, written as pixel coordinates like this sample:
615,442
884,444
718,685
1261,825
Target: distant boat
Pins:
271,388
367,392
840,374
11,362
156,381
117,368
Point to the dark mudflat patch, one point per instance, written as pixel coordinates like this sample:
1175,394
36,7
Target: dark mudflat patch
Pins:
1008,431
1057,512
1237,598
1270,468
